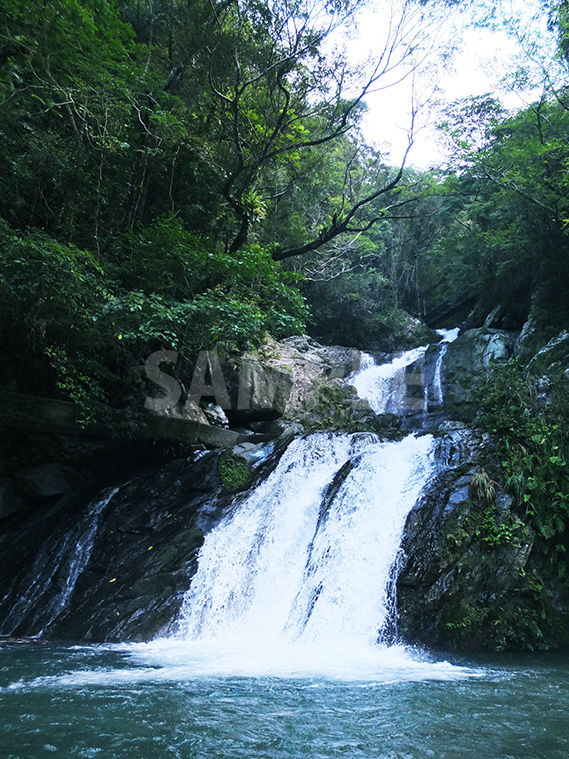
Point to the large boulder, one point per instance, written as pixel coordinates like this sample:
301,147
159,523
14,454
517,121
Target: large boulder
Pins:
262,388
319,397
49,480
469,357
284,379
472,573
311,365
337,407
187,412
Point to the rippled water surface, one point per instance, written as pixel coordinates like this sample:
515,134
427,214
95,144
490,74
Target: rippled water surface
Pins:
144,702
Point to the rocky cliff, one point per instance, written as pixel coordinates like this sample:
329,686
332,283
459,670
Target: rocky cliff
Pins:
470,568
113,564
480,567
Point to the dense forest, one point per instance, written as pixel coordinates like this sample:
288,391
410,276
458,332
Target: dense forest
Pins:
184,174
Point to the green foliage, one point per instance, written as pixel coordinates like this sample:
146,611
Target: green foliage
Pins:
360,308
494,533
506,239
234,471
533,449
468,618
511,627
482,487
49,296
154,156
71,329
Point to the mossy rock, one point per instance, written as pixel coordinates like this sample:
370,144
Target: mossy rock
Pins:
339,408
234,472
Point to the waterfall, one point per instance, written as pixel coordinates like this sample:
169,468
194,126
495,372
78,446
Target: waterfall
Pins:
305,562
393,387
308,555
345,595
448,336
399,387
58,565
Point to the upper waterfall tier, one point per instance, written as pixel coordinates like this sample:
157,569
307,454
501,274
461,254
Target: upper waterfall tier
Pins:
392,388
409,384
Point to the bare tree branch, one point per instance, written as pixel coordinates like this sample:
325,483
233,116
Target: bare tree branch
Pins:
342,225
279,95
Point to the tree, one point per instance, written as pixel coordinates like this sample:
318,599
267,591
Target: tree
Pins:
277,96
508,238
166,168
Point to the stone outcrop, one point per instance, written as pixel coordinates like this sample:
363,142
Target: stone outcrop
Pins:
553,356
48,416
469,357
136,547
337,407
300,381
296,369
187,412
469,569
279,384
33,486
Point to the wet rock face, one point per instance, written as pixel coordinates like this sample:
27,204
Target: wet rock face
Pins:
339,408
12,500
310,366
470,357
464,552
283,379
554,355
143,554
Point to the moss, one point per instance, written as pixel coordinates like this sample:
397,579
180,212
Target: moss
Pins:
460,529
234,471
529,419
474,621
515,626
338,408
466,618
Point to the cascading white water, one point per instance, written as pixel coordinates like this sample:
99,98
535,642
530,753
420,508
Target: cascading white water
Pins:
385,386
251,565
344,596
393,388
448,336
59,564
278,569
298,578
